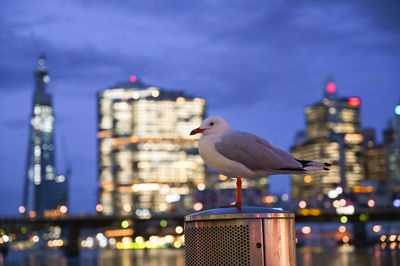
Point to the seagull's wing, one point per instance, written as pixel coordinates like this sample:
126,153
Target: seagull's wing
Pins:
254,152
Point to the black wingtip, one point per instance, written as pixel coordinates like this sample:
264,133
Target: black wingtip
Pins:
327,169
327,164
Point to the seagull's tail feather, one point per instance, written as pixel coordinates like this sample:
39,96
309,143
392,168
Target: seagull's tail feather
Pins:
312,165
304,170
297,171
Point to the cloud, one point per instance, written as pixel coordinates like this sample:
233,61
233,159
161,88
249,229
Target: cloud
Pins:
206,46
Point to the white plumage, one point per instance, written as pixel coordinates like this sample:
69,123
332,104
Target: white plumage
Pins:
239,154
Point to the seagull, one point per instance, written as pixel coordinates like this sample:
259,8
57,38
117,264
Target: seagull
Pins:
243,155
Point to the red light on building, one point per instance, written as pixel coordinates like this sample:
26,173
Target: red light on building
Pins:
354,101
331,87
132,79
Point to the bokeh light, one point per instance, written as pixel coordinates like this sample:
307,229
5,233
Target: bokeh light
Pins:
331,87
342,229
302,204
198,206
306,230
132,78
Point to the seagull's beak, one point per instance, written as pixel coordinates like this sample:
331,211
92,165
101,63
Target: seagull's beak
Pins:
196,130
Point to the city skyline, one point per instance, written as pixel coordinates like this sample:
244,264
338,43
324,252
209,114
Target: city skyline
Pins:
323,88
248,71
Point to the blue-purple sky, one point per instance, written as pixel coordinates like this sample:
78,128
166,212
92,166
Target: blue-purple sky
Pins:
258,64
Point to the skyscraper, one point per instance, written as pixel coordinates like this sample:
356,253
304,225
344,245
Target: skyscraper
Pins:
375,164
333,134
391,141
374,156
147,161
44,191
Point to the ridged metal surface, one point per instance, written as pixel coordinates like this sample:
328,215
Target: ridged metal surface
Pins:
218,245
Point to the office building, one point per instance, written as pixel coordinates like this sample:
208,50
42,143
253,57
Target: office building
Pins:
391,142
375,164
147,161
310,186
333,134
374,156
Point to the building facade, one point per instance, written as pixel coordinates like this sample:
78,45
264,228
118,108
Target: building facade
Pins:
391,142
45,192
375,164
322,150
333,134
147,161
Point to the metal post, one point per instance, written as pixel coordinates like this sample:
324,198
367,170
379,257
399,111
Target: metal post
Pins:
252,236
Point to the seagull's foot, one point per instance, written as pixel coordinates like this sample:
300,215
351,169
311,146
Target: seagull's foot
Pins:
235,205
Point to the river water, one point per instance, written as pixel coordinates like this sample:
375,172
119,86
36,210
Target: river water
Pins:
344,256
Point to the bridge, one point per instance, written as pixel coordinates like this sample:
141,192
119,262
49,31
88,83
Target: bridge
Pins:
147,227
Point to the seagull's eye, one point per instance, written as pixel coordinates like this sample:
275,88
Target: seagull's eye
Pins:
212,123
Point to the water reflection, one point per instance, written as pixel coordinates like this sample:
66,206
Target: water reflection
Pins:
347,256
157,257
306,256
161,257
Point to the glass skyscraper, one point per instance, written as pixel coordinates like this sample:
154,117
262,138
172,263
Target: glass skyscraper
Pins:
147,161
333,134
45,192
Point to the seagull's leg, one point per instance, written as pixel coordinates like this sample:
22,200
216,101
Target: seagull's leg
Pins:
238,203
238,193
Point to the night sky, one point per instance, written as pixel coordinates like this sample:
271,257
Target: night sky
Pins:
257,63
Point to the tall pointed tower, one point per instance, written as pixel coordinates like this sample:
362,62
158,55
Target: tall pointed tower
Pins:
43,191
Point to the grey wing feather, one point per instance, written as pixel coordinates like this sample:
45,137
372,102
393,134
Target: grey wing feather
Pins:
254,152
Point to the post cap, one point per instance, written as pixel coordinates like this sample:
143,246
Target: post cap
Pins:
246,212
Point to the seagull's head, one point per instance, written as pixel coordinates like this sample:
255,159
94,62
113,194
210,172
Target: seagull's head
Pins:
213,125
